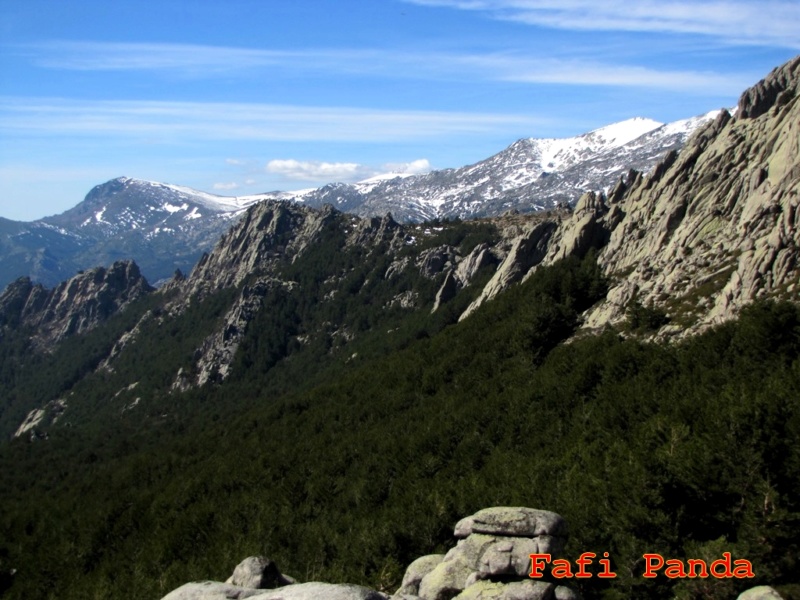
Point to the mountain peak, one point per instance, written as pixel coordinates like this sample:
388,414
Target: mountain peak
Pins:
623,132
778,87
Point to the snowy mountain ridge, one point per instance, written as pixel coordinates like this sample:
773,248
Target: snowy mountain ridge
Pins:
165,227
531,174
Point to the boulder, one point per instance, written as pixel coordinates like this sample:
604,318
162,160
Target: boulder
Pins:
563,592
258,572
762,592
512,521
415,572
511,555
322,591
448,579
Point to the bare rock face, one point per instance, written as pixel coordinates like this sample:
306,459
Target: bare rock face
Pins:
527,250
215,356
583,231
269,232
74,306
480,257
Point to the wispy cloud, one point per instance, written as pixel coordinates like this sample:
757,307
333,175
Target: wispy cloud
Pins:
191,59
507,67
769,23
213,61
186,121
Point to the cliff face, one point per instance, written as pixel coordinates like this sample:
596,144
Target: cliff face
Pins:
710,229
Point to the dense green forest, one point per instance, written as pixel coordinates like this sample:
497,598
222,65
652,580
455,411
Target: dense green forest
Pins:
347,466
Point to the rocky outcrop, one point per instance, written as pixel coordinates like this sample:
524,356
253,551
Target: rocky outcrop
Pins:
491,558
215,356
490,561
40,417
269,233
74,306
584,231
433,261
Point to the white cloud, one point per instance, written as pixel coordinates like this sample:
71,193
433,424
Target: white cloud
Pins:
226,186
415,167
768,22
347,172
319,171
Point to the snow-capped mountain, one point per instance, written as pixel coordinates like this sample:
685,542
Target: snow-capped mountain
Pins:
531,174
165,227
153,209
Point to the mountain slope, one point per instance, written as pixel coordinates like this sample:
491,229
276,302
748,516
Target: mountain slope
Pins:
710,230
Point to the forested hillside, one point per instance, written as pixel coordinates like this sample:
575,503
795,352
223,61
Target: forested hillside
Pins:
347,475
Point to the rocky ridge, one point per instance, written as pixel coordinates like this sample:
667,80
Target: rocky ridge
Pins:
74,306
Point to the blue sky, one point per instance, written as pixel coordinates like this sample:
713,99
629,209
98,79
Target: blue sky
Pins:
246,96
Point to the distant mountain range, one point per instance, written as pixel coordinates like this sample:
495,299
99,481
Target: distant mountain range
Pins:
166,227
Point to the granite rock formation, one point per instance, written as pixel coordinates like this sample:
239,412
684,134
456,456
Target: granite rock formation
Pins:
74,306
